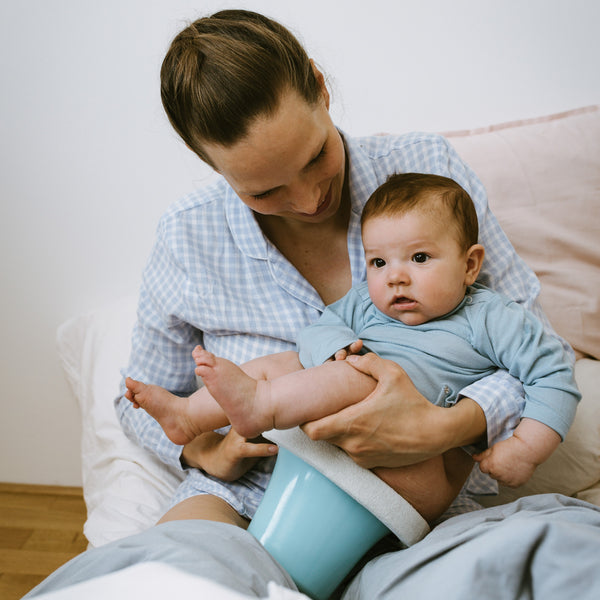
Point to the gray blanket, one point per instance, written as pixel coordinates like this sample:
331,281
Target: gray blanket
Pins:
543,547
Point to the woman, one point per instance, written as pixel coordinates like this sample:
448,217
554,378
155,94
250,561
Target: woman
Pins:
242,265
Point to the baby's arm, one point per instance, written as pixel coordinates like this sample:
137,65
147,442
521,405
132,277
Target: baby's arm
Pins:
513,461
516,341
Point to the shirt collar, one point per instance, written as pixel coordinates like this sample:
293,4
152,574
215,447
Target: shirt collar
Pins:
362,176
362,180
246,232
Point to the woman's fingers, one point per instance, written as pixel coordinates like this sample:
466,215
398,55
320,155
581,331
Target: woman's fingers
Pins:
369,364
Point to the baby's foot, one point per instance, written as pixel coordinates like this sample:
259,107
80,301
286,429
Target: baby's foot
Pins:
169,410
234,391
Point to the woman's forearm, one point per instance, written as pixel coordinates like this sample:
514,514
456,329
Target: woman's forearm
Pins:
396,425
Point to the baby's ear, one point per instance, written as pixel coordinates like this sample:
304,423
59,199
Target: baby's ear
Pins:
474,260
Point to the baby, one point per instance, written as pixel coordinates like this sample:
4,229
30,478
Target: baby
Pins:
421,307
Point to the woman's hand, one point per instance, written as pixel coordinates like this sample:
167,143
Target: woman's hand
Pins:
226,457
396,425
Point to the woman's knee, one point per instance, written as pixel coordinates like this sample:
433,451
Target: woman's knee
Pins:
205,507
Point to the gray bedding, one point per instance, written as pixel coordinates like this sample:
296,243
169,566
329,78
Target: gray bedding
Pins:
545,547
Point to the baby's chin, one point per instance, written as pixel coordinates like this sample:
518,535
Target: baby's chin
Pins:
413,319
409,318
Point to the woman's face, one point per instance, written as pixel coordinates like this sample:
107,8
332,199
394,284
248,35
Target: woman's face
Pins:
289,165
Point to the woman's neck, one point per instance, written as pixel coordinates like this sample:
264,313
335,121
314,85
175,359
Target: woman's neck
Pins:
319,251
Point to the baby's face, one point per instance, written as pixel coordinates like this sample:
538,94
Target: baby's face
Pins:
416,269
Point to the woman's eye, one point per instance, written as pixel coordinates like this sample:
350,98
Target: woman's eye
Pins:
261,196
378,263
319,156
420,257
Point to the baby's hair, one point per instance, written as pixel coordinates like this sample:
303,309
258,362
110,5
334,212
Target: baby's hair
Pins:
437,195
223,71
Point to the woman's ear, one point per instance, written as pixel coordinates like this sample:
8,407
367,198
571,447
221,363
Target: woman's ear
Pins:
474,261
321,81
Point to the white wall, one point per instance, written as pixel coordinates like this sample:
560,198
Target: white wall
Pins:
88,161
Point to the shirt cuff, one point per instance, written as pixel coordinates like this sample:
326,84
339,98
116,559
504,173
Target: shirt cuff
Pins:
502,400
144,431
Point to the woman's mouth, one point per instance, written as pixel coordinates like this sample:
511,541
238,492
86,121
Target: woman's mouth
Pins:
323,206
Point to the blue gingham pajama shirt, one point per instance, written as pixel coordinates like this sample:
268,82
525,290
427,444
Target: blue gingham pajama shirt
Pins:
214,279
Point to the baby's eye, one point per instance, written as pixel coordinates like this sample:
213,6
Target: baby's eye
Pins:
420,257
378,263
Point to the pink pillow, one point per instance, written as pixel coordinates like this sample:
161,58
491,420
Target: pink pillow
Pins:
543,182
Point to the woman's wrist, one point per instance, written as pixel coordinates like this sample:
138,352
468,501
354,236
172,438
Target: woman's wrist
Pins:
464,424
193,451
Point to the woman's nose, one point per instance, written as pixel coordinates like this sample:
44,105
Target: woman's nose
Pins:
306,198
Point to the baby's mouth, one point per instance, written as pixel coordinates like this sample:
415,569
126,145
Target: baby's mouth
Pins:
403,302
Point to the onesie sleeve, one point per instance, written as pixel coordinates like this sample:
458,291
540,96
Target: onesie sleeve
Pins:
335,329
515,340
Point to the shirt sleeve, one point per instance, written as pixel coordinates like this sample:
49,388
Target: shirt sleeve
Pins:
162,344
144,431
501,398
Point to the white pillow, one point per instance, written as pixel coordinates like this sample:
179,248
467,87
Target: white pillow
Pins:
126,489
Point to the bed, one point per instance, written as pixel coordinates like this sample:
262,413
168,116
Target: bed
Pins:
543,181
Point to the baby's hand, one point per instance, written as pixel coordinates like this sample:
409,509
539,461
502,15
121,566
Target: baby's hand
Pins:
508,462
513,461
353,348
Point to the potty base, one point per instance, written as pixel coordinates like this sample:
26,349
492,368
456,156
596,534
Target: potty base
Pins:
314,529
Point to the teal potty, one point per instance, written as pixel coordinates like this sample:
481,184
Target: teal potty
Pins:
314,529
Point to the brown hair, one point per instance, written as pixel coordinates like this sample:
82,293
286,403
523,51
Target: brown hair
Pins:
404,192
223,71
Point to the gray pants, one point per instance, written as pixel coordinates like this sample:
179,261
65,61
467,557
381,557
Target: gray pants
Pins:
543,547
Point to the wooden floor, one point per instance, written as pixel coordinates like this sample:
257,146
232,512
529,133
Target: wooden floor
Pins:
41,527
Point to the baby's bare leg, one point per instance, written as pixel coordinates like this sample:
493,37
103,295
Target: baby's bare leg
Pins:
270,366
236,391
432,485
182,419
297,396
